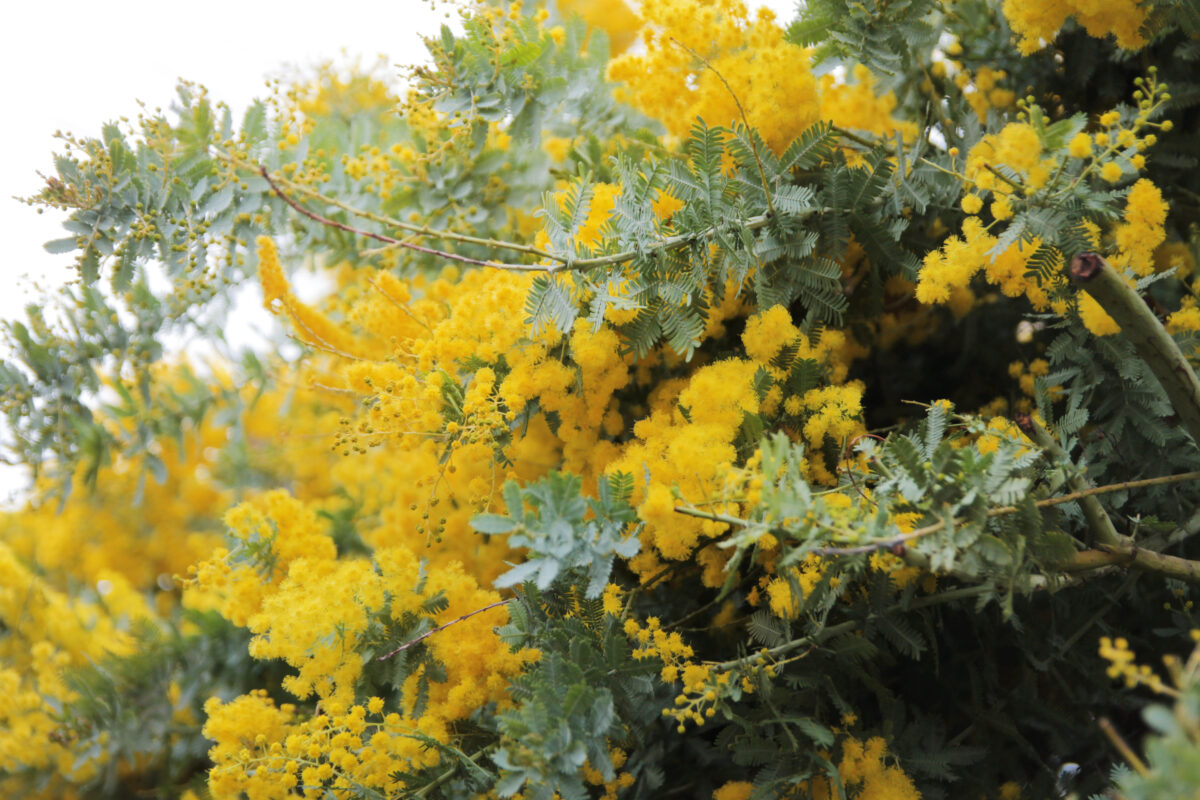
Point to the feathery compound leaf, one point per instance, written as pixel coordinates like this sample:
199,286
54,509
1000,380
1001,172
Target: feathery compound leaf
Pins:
793,199
550,303
811,149
565,532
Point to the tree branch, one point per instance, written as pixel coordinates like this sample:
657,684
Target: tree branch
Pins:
562,264
341,226
900,540
1130,555
1138,323
439,628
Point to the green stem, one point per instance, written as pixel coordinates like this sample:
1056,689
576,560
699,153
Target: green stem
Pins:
849,625
1148,336
1130,555
1098,520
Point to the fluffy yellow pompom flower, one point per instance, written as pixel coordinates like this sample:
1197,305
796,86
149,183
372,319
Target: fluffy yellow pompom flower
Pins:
1080,146
1111,172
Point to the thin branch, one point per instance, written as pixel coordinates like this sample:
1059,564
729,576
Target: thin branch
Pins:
855,624
899,541
762,173
1122,747
400,242
440,628
402,306
420,230
563,265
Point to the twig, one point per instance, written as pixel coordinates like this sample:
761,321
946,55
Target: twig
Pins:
439,628
850,470
562,264
854,624
1122,747
403,307
750,132
420,230
341,226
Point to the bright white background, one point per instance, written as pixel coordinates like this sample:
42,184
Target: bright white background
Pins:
72,65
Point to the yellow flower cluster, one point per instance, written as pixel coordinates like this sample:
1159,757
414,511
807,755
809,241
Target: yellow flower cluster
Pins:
313,326
960,259
1036,22
1025,375
864,767
1109,153
654,642
857,105
704,686
312,609
1186,321
713,60
268,752
734,790
999,430
1017,147
1137,237
782,596
865,774
621,779
1122,666
982,90
700,56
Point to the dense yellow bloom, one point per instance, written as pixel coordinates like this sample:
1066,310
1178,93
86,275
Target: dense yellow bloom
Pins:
767,75
865,763
1080,146
1142,230
312,326
1016,146
1036,22
857,105
1111,172
960,259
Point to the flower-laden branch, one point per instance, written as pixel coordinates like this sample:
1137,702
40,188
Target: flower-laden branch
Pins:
561,263
439,629
1119,546
1144,330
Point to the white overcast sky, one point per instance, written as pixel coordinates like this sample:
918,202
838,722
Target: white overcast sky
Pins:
72,65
